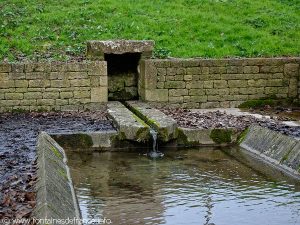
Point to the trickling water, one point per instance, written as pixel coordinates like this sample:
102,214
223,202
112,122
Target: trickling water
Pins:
154,153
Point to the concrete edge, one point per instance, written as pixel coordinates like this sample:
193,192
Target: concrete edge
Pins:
273,148
56,198
188,137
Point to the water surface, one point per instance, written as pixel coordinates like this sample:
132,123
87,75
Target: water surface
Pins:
196,186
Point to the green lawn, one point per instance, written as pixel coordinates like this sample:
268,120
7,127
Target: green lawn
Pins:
181,28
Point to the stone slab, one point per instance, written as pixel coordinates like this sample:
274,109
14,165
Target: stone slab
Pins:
130,126
165,125
97,48
56,197
274,148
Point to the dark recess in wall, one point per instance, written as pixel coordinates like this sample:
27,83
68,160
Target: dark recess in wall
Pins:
123,75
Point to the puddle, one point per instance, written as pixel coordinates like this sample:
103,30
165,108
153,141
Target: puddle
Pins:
195,186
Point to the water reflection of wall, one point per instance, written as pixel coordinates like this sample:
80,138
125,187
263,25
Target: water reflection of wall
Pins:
117,188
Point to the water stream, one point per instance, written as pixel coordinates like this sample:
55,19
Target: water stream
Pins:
154,153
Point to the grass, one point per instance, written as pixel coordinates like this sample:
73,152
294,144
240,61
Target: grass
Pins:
38,29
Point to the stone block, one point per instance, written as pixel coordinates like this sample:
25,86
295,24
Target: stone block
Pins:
21,90
171,71
234,69
175,84
56,76
180,71
14,96
257,83
97,68
5,67
76,75
33,95
37,75
251,69
177,92
7,84
76,67
61,101
99,94
177,99
274,82
193,70
198,98
188,77
47,102
291,69
104,82
208,84
28,102
66,94
196,92
159,95
39,83
161,71
16,76
17,68
82,94
194,84
51,95
220,84
21,83
160,85
60,83
217,70
271,69
237,83
178,77
80,83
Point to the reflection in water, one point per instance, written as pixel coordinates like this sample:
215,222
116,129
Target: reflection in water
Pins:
185,187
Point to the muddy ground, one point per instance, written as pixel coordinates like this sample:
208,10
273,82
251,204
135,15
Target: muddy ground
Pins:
18,136
218,119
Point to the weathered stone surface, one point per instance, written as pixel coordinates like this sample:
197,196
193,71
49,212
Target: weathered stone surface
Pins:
199,137
163,124
130,126
55,193
97,49
275,148
99,94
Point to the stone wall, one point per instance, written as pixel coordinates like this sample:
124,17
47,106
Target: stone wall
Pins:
53,86
209,83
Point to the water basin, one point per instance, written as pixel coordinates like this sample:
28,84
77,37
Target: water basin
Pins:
195,186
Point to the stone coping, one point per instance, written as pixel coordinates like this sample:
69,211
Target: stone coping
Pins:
273,148
56,197
97,48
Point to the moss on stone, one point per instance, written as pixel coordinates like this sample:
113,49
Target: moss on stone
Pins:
78,140
220,136
56,152
257,103
242,136
142,134
63,173
183,140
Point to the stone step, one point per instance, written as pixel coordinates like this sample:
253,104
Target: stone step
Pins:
130,126
165,125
